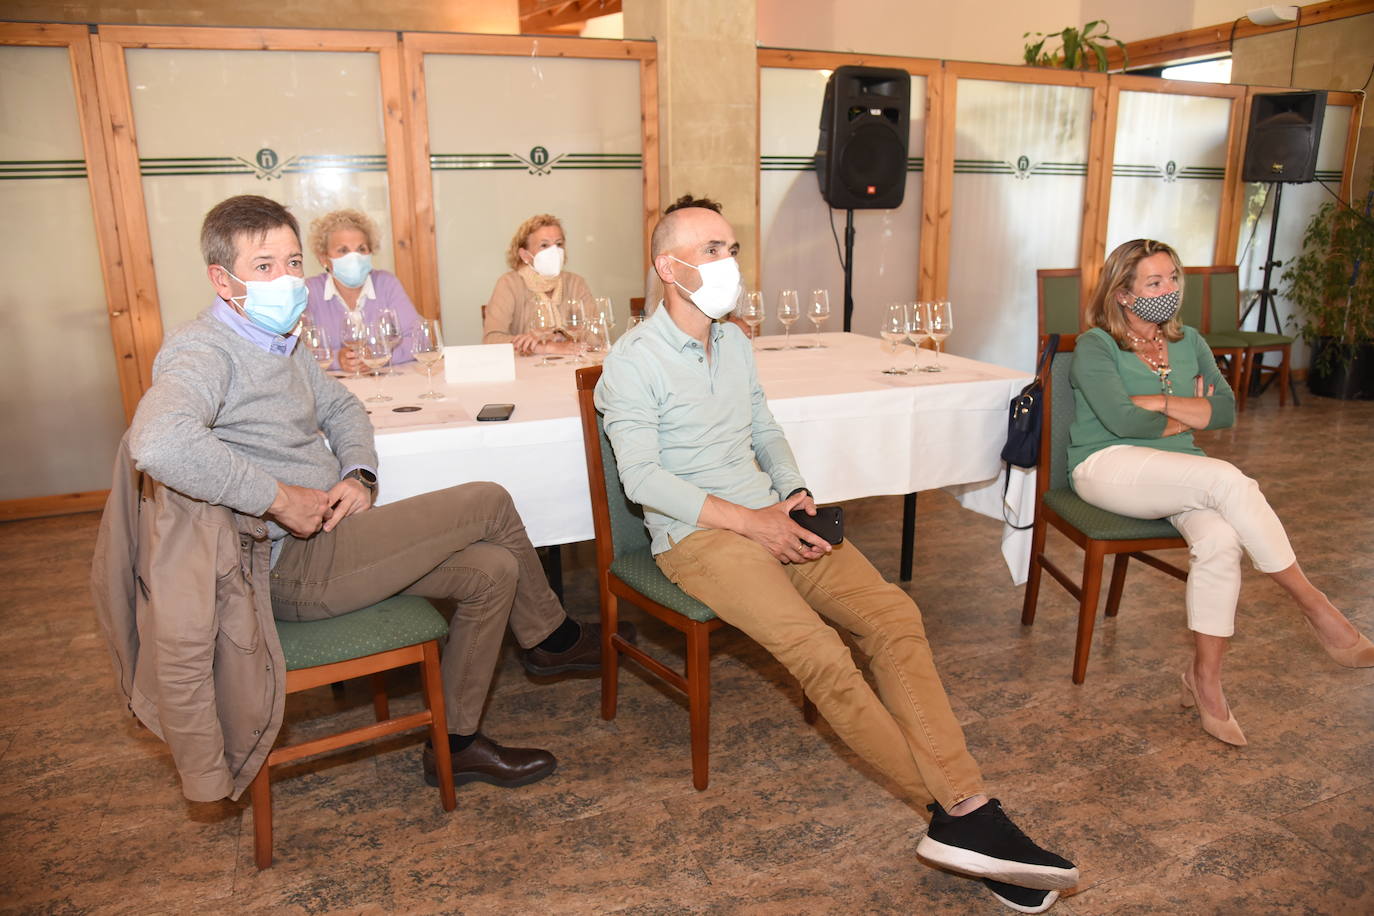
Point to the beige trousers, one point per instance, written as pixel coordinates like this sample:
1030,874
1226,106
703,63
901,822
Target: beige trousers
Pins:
466,543
907,730
1219,511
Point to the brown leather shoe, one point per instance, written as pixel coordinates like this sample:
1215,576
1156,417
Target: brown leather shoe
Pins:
486,761
583,655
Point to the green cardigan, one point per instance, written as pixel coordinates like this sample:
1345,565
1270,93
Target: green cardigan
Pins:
1104,377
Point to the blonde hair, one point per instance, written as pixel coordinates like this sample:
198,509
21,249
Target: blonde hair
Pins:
522,236
326,225
1118,275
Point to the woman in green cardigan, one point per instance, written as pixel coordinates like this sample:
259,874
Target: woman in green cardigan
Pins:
1142,383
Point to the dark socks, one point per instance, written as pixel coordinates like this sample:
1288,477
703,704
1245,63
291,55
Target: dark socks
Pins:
563,638
456,743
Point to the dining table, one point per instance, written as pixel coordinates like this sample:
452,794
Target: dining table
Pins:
855,431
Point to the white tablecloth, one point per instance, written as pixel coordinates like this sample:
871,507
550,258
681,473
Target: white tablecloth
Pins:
855,432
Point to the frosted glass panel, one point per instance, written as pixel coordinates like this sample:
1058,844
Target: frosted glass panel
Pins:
300,127
1168,172
798,247
1299,203
558,136
60,411
1020,169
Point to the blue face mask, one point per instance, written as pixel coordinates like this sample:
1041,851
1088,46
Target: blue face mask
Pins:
275,305
352,269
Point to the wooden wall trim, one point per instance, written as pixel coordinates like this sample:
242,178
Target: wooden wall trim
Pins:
398,162
12,510
1019,73
1232,188
1215,39
416,114
199,38
649,148
531,46
1092,237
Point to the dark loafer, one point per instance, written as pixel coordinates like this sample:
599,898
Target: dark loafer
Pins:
583,655
486,761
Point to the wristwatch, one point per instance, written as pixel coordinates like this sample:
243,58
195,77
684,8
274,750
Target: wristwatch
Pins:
364,477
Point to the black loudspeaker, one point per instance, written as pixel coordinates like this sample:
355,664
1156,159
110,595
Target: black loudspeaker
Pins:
1285,130
861,153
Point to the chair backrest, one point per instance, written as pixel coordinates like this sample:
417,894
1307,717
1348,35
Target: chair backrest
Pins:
1196,287
1224,286
617,522
1059,295
637,305
1052,470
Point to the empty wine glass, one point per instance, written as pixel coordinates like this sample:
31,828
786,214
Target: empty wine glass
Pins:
428,349
894,329
789,310
575,326
603,311
598,339
819,311
354,330
941,326
750,311
317,342
390,325
543,324
919,331
375,353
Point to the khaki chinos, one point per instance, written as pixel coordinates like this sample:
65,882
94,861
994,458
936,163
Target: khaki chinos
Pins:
907,730
466,543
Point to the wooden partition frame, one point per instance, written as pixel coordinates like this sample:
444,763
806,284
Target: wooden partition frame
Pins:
930,254
415,45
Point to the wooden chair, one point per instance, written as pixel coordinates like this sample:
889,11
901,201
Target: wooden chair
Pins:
1059,297
637,306
1229,349
1097,531
1224,288
626,571
400,631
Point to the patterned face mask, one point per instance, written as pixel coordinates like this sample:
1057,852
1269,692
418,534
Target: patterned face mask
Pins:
1157,309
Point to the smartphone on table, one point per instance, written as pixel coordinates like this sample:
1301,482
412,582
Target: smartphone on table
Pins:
495,412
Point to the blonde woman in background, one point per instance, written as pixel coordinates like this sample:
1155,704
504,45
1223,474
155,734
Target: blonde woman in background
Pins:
535,257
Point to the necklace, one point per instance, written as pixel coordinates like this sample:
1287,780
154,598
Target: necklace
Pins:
1158,363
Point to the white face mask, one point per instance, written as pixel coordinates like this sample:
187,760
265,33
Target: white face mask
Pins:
548,262
719,288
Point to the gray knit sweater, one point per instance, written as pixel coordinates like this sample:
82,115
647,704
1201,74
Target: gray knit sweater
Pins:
225,420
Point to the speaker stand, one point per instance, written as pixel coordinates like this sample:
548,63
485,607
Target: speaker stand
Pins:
848,269
1267,297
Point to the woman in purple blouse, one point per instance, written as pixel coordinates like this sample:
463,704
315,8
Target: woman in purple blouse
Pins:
343,242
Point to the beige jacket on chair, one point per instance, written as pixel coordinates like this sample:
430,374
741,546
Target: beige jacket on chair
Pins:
182,592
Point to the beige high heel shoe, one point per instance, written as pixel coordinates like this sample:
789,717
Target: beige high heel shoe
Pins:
1227,729
1359,655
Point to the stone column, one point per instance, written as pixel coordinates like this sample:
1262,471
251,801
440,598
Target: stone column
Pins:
708,106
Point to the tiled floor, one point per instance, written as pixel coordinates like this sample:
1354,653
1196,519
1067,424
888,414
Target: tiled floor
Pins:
1160,817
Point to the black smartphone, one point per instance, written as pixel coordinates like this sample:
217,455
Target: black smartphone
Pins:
828,522
496,412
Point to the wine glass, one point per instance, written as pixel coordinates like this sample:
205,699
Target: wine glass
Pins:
941,324
543,324
894,329
920,330
789,310
375,353
598,339
317,342
428,349
819,311
750,311
575,321
390,325
603,311
354,330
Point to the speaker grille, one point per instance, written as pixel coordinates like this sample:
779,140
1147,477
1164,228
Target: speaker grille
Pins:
872,158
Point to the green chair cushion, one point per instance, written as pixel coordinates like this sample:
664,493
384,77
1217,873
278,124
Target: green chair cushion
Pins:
1262,338
1219,340
391,624
1102,525
637,569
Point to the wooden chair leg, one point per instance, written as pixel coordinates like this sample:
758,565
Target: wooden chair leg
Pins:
1093,558
610,657
260,791
1235,364
433,689
1242,391
1285,360
1118,583
1033,574
699,702
380,705
809,713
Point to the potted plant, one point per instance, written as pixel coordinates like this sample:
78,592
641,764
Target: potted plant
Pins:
1078,49
1331,286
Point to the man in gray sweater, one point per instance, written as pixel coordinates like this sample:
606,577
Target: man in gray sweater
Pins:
239,416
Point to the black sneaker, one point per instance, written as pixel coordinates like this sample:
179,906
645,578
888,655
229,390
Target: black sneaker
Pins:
1022,899
986,844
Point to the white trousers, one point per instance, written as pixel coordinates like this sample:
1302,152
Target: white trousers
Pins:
1218,510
